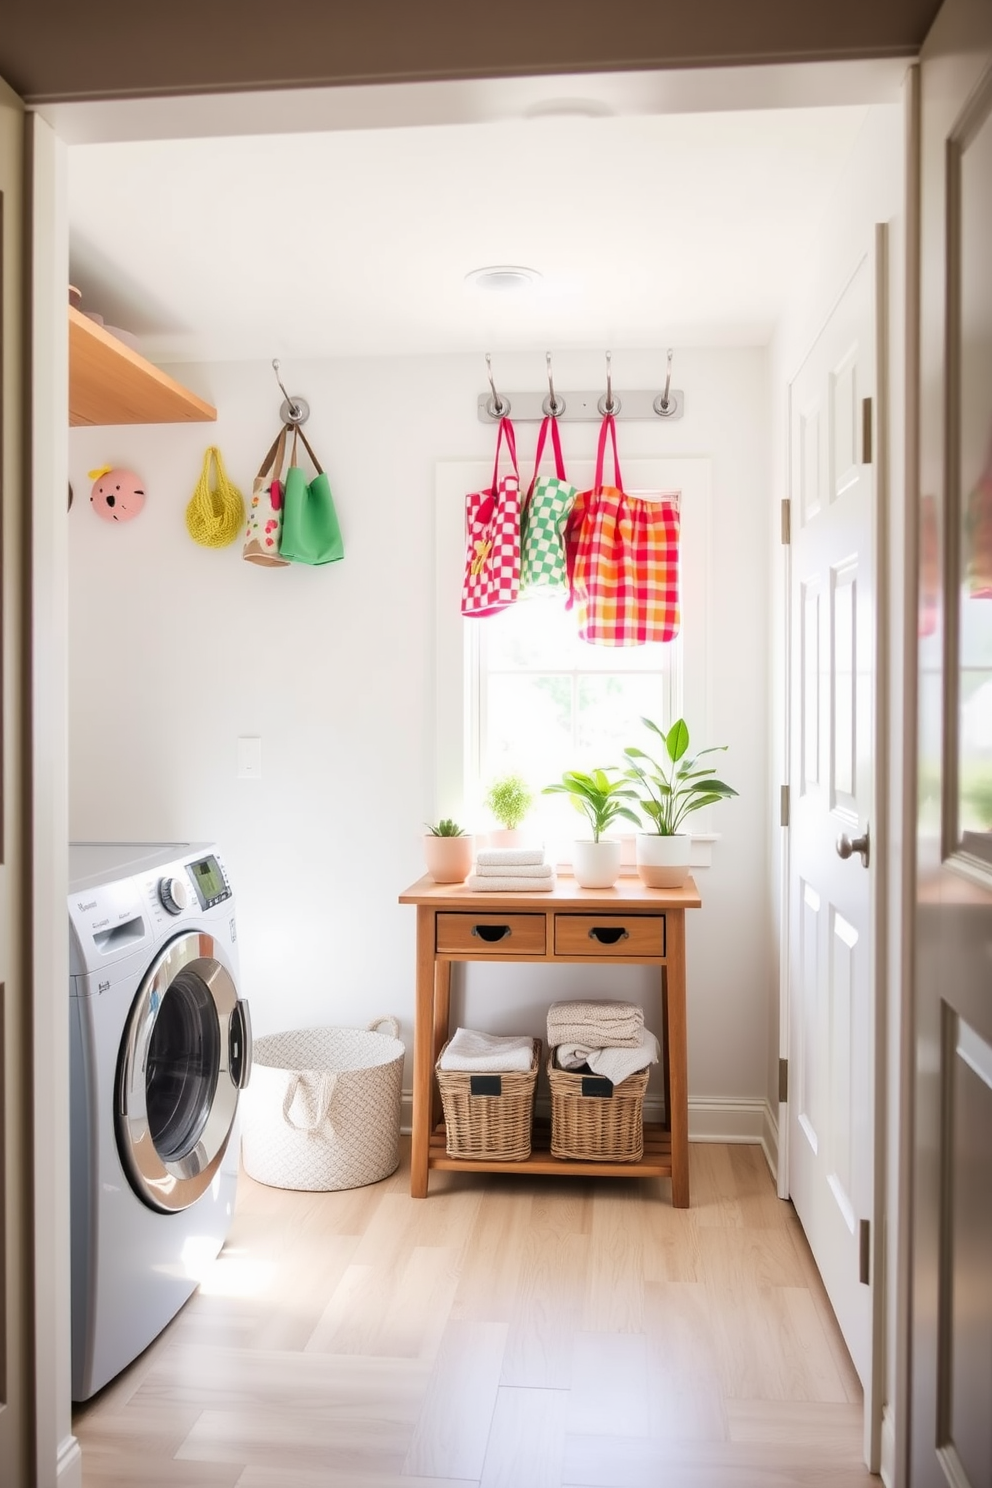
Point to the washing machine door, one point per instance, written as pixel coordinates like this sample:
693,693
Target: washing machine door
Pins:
185,1055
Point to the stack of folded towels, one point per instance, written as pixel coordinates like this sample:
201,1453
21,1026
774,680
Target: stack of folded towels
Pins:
488,1053
511,869
608,1038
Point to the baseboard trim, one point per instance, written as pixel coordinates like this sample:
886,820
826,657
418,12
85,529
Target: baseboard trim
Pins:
751,1122
69,1464
887,1465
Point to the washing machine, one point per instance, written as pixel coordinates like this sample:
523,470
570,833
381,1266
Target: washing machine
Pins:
160,1050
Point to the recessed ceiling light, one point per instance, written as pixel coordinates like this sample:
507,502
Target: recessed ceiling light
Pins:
503,278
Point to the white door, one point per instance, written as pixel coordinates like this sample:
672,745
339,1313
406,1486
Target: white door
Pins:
831,1000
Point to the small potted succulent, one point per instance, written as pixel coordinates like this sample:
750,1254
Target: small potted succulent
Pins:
448,851
596,863
509,799
669,790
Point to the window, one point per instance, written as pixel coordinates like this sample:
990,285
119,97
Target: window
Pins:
519,690
542,701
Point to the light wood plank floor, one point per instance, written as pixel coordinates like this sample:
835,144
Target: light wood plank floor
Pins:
506,1332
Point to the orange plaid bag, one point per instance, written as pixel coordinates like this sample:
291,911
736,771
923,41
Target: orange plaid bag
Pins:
622,554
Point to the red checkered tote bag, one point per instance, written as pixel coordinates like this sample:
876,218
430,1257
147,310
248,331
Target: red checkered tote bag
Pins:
492,529
623,560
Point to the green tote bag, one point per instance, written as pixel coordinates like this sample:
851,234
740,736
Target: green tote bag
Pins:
546,511
310,531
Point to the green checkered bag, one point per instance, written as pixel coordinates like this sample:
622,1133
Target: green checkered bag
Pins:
549,502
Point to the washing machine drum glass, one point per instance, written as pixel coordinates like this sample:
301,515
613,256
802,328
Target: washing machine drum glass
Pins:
183,1060
182,1067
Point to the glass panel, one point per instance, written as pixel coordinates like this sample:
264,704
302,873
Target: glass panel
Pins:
529,725
974,330
182,1067
539,634
609,714
549,702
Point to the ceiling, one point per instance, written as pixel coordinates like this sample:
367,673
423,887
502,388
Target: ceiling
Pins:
648,229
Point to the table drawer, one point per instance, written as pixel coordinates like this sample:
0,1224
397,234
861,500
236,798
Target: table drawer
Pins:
491,934
609,935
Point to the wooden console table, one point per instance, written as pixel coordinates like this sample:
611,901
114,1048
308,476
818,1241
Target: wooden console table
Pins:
630,925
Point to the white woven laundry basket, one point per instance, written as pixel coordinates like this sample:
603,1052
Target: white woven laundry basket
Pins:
322,1107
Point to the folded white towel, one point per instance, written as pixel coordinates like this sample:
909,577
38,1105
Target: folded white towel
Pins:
604,1024
615,1064
495,1052
515,870
510,884
509,857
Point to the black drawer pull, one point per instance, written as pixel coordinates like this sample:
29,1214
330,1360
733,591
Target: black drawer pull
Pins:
492,932
597,1085
608,934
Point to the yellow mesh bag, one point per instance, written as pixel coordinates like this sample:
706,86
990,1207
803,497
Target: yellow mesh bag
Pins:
215,513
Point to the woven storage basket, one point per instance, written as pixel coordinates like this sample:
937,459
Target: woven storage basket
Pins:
610,1127
487,1123
322,1107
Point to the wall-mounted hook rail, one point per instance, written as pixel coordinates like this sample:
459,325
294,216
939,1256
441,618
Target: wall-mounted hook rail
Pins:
294,410
583,407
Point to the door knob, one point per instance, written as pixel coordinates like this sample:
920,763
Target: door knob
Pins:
862,845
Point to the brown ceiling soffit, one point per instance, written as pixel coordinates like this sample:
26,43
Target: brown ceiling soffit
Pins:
54,50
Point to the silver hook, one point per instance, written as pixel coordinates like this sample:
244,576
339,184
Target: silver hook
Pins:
497,407
294,410
665,406
668,380
552,405
607,405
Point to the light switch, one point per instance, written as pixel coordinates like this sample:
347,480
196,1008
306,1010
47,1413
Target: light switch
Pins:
249,759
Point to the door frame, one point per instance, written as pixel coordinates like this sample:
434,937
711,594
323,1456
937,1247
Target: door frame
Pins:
150,118
877,254
58,1456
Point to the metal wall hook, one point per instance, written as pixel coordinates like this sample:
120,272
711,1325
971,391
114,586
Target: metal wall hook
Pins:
294,410
498,407
662,406
608,404
552,405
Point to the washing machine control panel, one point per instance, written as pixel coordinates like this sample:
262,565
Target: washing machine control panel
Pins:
209,881
174,894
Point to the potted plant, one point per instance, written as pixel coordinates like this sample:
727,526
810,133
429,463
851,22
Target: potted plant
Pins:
509,799
669,790
596,863
448,852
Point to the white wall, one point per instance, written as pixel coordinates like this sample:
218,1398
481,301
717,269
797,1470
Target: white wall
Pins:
873,190
177,650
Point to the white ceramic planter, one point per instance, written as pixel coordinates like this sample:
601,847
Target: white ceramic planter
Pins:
448,859
663,862
596,865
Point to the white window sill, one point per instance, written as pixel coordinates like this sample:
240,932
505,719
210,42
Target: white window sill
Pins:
700,853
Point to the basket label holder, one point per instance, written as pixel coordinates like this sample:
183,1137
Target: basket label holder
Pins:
485,1084
597,1085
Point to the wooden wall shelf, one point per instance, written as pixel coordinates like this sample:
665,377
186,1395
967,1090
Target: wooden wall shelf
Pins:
111,384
